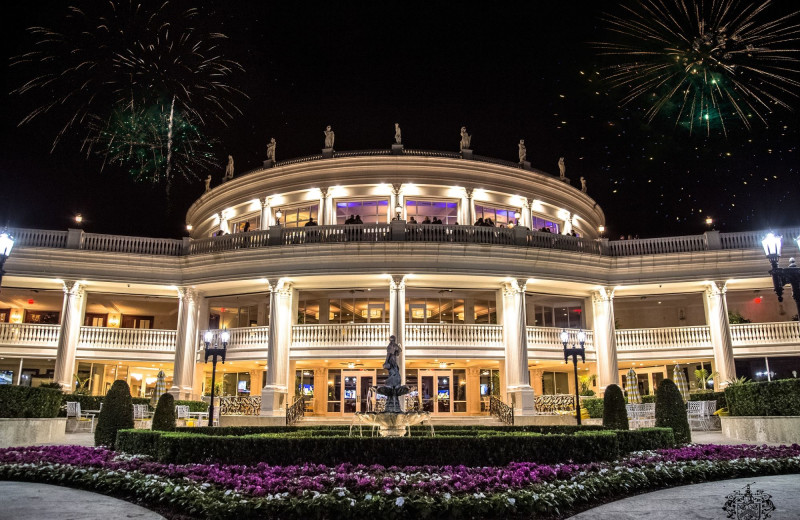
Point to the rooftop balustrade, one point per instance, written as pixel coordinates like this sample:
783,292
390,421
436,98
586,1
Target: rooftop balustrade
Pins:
280,236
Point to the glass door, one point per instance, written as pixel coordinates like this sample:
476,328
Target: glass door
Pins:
436,391
355,390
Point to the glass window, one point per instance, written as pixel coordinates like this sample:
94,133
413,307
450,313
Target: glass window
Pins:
540,224
500,216
298,216
446,211
435,310
238,225
308,312
562,317
485,312
334,390
304,383
459,391
370,211
555,383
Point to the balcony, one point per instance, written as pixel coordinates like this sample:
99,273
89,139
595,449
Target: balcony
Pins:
663,338
549,338
394,232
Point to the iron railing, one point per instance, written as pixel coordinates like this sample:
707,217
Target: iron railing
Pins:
499,409
295,411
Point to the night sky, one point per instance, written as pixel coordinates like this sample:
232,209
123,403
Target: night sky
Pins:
525,71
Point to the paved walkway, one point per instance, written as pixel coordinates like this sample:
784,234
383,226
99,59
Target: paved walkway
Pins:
46,502
701,501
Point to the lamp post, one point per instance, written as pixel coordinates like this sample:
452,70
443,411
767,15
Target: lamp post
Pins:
6,243
278,215
399,211
215,352
782,275
517,216
575,352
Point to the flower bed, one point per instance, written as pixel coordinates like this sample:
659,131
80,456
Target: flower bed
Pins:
517,490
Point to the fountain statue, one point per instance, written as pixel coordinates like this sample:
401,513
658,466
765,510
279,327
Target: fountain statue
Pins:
393,420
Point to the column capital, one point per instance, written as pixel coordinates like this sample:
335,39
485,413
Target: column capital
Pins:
285,288
473,371
514,286
274,284
187,293
265,202
396,189
74,287
603,294
716,288
469,192
397,282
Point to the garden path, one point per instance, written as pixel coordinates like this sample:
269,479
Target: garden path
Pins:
28,500
700,501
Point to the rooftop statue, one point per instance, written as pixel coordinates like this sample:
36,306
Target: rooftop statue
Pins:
229,169
397,133
583,184
523,153
329,137
562,168
271,150
466,139
208,184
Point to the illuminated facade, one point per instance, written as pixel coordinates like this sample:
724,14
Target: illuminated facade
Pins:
477,309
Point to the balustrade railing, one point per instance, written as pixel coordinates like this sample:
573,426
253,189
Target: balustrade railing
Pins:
663,338
29,334
239,405
344,334
461,234
550,338
334,234
39,238
134,245
296,411
250,240
556,403
241,338
752,239
446,334
563,242
655,246
128,339
765,333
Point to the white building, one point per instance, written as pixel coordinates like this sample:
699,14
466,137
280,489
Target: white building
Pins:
477,310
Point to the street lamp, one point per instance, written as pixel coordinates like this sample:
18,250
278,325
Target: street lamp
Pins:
782,275
278,215
398,210
517,216
215,352
575,352
6,243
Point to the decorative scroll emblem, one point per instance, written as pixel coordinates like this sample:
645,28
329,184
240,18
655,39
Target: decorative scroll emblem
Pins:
746,505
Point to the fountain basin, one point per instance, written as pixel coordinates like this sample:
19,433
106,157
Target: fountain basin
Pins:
392,424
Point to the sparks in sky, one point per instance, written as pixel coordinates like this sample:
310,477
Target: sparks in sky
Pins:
704,63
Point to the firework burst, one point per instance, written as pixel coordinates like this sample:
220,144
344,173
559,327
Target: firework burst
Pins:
114,61
704,63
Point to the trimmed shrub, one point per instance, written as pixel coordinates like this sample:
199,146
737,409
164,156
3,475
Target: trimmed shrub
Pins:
140,442
194,406
415,430
779,398
496,450
615,416
594,407
116,414
647,399
26,402
164,417
719,397
645,439
671,411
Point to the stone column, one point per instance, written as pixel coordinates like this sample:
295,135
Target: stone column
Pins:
320,391
186,343
716,307
567,225
72,312
525,210
274,395
397,318
473,390
266,214
605,340
516,343
471,218
536,381
396,198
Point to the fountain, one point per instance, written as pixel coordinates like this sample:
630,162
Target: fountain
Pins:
393,421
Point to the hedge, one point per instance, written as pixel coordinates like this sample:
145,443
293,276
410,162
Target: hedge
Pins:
645,439
594,407
779,398
415,430
26,402
93,402
498,450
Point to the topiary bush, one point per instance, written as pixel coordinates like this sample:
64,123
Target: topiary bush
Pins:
594,407
615,416
23,402
117,414
671,411
164,417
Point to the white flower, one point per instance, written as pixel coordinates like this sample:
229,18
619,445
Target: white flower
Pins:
400,501
447,496
367,497
512,501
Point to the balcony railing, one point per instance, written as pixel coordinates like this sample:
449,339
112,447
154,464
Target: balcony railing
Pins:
785,332
541,338
456,335
663,338
127,339
29,334
345,334
389,232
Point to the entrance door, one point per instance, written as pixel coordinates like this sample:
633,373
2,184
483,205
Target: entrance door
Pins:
355,390
436,391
